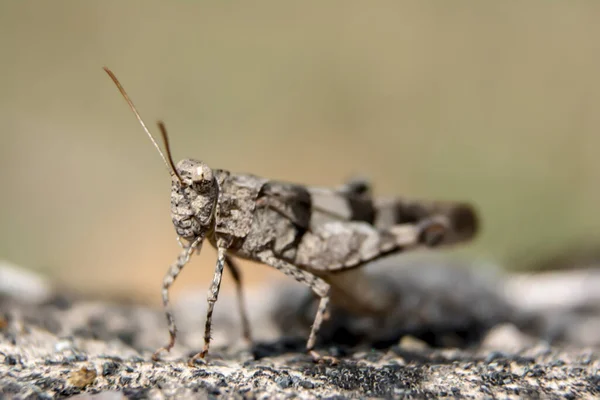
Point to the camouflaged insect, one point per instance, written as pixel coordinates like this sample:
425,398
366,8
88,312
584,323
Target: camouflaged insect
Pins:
311,234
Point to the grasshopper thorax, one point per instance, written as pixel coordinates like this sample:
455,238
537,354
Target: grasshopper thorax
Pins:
193,199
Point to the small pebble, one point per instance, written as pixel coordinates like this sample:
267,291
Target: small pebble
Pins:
412,343
82,377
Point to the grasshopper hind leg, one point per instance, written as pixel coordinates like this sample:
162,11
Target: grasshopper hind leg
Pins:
318,286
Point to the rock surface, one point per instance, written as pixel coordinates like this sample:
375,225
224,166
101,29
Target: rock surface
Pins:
456,332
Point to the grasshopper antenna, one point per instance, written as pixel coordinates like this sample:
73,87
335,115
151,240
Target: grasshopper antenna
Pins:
167,160
165,137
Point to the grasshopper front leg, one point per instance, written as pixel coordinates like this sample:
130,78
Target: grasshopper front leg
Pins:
174,270
213,295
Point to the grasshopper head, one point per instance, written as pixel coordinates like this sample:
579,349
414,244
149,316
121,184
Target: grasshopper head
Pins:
194,192
194,189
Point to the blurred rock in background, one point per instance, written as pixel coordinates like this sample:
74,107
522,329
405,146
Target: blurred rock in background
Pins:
444,303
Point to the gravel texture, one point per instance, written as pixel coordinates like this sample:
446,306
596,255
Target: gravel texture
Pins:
456,332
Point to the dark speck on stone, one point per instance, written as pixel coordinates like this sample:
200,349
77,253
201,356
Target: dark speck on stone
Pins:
200,373
586,361
222,382
595,383
48,383
136,393
125,380
306,384
557,363
536,372
68,391
109,368
10,360
283,381
523,360
69,359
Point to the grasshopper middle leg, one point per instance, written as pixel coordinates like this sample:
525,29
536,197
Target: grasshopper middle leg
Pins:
235,273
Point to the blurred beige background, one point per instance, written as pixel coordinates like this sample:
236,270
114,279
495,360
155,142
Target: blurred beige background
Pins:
493,102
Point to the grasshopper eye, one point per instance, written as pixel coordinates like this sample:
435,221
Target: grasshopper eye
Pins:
201,174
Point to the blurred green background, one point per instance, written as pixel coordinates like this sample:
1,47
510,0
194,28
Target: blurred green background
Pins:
497,103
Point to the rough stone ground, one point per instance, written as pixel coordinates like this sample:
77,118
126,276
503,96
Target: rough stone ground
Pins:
456,332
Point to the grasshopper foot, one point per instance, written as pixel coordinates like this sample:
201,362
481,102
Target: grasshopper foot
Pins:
198,357
319,359
166,348
156,354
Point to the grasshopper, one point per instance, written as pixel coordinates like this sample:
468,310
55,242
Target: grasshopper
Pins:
311,234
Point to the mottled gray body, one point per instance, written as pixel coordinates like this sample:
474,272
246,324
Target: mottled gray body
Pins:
309,234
